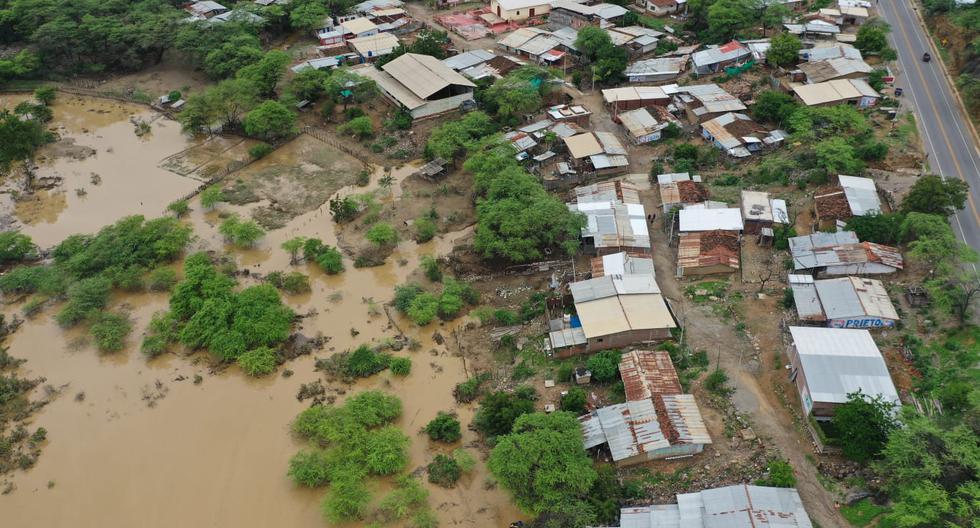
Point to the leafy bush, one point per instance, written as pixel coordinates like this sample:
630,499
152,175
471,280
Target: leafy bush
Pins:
382,235
444,471
405,294
211,197
400,366
498,410
361,127
717,381
364,362
353,113
16,247
110,331
258,361
179,208
506,317
374,408
164,330
470,389
604,366
444,428
162,279
430,268
346,501
574,401
85,299
260,150
310,468
242,233
293,282
780,475
424,308
387,451
329,258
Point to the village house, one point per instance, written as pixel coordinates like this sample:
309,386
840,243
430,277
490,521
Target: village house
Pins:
844,302
655,70
622,263
358,27
612,311
642,127
374,46
737,506
637,40
599,151
850,91
852,197
519,9
708,253
468,59
738,136
680,189
659,7
567,13
536,44
829,364
854,16
694,219
702,102
841,253
368,6
577,114
813,29
657,421
631,98
714,60
480,64
420,84
836,68
205,10
615,219
759,211
836,51
316,64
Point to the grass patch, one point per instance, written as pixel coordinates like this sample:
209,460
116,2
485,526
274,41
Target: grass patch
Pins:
703,292
862,512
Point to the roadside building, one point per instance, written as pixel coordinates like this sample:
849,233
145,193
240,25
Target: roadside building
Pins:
374,46
737,506
832,69
357,28
577,114
738,136
841,253
707,253
680,189
656,70
316,64
759,211
612,312
660,7
845,302
641,127
536,44
615,219
713,60
813,29
702,102
633,97
842,91
828,364
854,16
657,421
420,84
567,13
519,9
852,197
836,51
599,151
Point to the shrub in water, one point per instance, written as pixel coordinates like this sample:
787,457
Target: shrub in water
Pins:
258,361
444,471
110,331
400,366
444,428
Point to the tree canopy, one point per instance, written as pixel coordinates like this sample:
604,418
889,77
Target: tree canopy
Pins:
863,424
934,195
784,50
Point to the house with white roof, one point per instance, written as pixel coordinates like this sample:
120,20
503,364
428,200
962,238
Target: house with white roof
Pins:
737,506
853,197
702,102
598,151
840,91
710,219
642,127
205,9
829,364
760,211
420,84
844,302
573,14
835,68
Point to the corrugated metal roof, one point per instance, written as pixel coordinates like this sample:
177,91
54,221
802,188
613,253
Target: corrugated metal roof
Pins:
685,417
605,161
629,429
517,38
567,337
838,362
610,143
805,296
646,373
845,51
468,59
380,44
826,249
848,297
728,219
583,145
622,264
862,195
634,93
732,51
358,26
738,506
656,66
424,75
713,98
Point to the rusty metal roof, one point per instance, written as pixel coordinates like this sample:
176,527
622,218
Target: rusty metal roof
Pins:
685,419
646,373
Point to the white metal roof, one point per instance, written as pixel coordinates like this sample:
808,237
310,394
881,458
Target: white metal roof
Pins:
358,26
862,195
838,362
728,219
848,297
373,45
468,59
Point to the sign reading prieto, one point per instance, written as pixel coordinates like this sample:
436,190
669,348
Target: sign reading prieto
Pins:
862,322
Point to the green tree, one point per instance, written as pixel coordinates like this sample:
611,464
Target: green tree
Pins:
15,247
19,138
498,410
604,365
110,331
266,73
270,121
774,107
872,38
836,156
361,127
258,361
382,235
878,228
934,195
308,84
863,424
574,401
784,50
542,462
45,95
729,18
773,15
932,242
242,233
293,246
444,428
444,471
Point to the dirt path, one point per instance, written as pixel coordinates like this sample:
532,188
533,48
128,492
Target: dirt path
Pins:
749,369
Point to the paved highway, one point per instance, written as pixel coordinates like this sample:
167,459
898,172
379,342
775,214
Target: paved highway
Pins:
946,133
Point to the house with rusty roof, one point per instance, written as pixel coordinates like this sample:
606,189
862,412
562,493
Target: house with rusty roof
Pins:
841,253
715,59
737,135
853,196
622,263
737,506
829,364
708,253
645,125
615,218
844,302
657,421
420,84
679,189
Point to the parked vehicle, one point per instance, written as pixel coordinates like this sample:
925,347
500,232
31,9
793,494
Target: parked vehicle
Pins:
926,57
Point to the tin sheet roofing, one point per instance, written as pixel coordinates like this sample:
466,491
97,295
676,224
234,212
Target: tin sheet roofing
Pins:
833,91
517,38
468,59
728,219
713,98
685,418
634,93
656,66
837,249
380,44
731,51
567,337
826,70
647,373
610,143
622,263
629,429
847,297
862,195
424,75
845,51
756,206
358,26
606,161
838,362
583,145
738,506
638,122
807,300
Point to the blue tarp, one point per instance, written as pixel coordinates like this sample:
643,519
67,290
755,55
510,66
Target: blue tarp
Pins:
576,323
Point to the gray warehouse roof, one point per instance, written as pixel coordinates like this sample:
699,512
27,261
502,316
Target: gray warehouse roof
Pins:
837,362
738,506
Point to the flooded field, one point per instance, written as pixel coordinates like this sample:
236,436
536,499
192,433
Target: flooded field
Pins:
137,443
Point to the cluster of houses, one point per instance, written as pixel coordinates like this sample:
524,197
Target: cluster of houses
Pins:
214,13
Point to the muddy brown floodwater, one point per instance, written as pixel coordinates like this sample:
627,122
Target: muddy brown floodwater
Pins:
136,443
107,171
